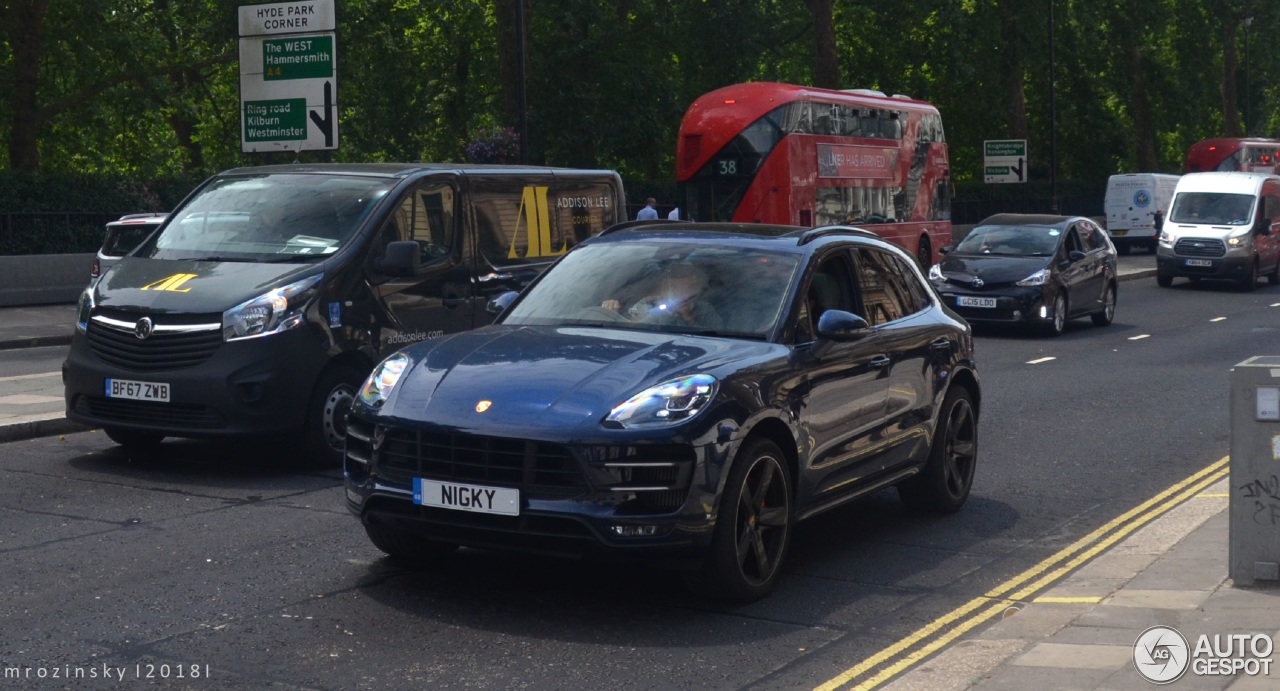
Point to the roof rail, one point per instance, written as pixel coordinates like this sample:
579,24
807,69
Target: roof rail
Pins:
814,233
627,225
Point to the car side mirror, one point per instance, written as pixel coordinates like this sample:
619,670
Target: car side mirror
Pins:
499,304
946,250
401,258
1075,255
839,325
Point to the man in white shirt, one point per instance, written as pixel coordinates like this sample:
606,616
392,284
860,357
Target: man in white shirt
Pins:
674,215
649,212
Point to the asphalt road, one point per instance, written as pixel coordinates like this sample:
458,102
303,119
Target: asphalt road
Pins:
224,558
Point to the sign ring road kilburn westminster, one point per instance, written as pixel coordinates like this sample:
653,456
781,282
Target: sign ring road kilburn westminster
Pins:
288,77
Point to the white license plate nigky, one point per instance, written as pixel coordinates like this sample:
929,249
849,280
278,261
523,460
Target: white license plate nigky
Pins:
464,497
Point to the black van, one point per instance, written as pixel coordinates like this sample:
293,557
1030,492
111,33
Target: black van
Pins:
269,294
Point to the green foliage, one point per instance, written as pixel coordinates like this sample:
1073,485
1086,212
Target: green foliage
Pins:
145,90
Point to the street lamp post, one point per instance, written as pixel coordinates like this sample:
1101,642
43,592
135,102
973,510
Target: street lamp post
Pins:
1053,124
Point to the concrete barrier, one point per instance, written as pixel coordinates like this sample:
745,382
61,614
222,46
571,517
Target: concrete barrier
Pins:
43,279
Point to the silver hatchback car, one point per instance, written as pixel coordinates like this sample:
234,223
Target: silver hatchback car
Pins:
122,236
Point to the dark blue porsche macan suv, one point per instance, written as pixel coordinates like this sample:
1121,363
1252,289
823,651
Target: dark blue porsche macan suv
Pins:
683,393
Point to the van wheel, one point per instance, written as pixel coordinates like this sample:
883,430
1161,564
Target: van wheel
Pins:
132,439
752,530
326,432
1250,281
1108,312
1164,281
943,485
1273,278
407,547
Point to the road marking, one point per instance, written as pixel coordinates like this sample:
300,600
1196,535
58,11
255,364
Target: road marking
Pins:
21,377
1043,359
1275,304
1218,319
1139,337
1068,600
931,637
1213,495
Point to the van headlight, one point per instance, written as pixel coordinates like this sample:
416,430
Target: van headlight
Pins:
377,388
1238,240
665,404
1036,279
1166,240
84,309
269,313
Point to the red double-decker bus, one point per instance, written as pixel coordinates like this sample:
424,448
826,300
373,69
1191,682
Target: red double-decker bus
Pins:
764,152
1251,155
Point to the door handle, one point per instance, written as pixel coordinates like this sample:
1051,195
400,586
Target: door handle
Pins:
940,344
452,302
879,361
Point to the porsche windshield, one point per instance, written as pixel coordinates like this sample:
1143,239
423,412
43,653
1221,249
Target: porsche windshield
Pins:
661,286
261,218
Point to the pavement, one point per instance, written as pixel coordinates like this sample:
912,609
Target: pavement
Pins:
1077,632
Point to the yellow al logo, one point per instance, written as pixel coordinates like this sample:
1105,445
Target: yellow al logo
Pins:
536,216
172,284
483,406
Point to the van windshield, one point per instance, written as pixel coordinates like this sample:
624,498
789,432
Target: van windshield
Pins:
269,218
1216,208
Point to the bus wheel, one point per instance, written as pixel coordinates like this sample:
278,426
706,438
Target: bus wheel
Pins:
326,433
924,255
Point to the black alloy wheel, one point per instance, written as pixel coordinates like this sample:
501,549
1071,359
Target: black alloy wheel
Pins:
943,485
1058,320
1108,311
753,527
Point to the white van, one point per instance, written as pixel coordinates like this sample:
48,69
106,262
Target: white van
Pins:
1224,226
1131,205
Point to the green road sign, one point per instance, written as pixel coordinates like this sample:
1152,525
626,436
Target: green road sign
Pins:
297,58
1004,147
996,170
282,120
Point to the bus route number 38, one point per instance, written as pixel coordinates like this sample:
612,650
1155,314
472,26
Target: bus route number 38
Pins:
727,166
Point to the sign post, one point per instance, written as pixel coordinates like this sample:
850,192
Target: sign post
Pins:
288,77
1004,160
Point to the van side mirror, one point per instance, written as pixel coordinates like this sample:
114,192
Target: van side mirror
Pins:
1159,221
401,258
499,304
1263,227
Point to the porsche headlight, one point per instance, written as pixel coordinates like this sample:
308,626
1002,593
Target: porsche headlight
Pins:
270,313
665,404
1038,278
385,376
84,309
935,273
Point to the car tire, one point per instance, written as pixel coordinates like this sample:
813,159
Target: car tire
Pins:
1250,281
326,424
943,485
1164,281
406,547
752,528
1273,278
1104,316
1058,322
924,254
132,439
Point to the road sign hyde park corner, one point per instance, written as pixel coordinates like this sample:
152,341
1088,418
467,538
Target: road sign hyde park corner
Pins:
288,77
1004,160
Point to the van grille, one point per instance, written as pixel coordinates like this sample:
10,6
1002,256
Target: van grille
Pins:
161,351
158,415
1200,247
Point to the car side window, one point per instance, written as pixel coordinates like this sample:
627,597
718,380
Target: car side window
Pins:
1090,237
890,289
426,217
1071,243
830,287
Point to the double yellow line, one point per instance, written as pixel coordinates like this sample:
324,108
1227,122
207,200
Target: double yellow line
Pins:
935,635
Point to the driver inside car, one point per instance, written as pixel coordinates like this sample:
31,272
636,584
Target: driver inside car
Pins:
679,300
